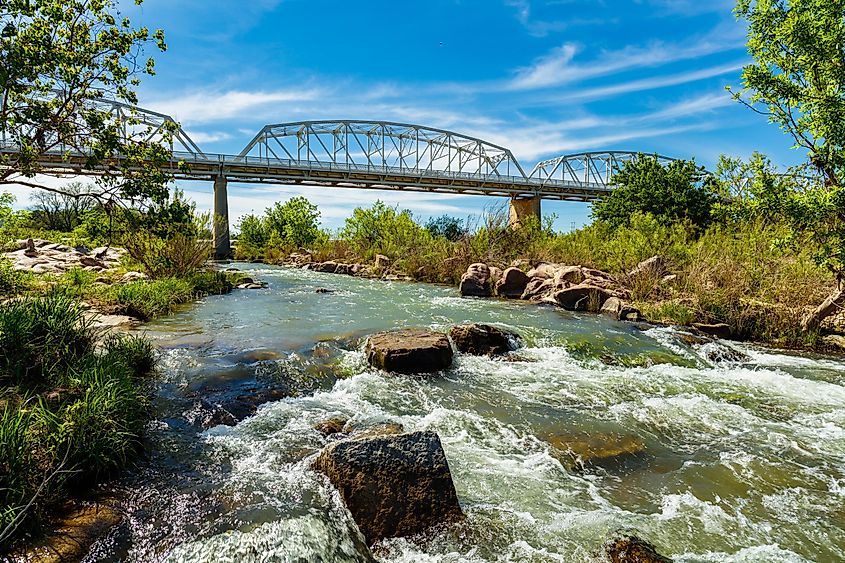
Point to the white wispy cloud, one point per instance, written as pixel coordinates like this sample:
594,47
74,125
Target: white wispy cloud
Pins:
643,84
558,67
210,105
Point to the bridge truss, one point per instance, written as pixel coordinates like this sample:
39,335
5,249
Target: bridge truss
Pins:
586,169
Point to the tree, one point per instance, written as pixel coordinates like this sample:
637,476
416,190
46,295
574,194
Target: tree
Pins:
382,230
57,57
295,222
63,212
253,231
678,191
450,228
797,80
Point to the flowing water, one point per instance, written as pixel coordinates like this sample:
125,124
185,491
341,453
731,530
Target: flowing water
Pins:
741,460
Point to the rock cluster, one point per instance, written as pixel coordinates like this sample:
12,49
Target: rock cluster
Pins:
392,485
44,257
574,288
412,351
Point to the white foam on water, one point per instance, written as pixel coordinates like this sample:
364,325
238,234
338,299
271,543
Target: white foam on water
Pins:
305,538
771,359
770,553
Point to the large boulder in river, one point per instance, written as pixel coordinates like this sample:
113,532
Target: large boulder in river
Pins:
719,330
481,339
583,297
393,485
512,283
409,351
476,281
631,549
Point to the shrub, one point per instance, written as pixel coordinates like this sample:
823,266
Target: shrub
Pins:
80,421
450,228
135,352
181,255
13,281
145,300
294,223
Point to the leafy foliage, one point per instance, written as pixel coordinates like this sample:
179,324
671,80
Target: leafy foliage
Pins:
69,415
676,192
59,56
797,78
293,223
445,226
381,230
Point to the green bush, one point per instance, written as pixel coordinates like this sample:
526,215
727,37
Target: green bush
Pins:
148,299
294,223
679,191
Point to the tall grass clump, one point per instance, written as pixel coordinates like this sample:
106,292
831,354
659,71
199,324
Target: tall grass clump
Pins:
70,413
12,281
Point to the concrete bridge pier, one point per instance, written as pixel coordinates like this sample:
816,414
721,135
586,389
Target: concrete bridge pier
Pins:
222,248
521,208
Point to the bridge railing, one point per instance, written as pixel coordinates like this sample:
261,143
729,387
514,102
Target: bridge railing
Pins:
274,167
268,163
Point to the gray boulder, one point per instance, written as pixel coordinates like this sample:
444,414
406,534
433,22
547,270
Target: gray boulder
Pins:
409,351
512,283
583,297
393,486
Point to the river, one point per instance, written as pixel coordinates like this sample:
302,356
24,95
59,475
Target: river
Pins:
742,460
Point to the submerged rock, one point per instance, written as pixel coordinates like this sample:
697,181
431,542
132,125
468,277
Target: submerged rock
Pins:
476,281
607,451
331,426
409,351
482,339
393,485
75,532
631,549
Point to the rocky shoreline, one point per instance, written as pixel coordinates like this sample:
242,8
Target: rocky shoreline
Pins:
571,287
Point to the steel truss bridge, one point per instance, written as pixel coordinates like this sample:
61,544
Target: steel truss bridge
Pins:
355,154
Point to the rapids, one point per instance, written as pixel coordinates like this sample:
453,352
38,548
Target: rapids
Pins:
744,460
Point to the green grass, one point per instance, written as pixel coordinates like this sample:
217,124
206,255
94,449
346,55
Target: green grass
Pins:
13,282
70,413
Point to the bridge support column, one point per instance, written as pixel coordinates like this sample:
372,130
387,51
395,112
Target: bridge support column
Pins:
222,248
523,208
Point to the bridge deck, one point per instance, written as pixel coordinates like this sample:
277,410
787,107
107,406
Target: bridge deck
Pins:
263,170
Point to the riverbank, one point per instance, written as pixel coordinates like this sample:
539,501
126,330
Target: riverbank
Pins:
74,385
654,290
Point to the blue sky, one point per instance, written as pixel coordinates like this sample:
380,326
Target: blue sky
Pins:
541,77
